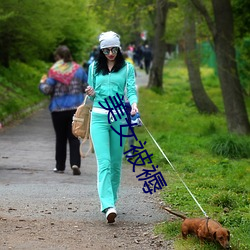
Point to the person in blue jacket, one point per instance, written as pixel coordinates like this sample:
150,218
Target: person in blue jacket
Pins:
108,76
65,83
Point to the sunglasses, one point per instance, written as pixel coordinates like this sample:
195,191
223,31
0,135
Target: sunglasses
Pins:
106,51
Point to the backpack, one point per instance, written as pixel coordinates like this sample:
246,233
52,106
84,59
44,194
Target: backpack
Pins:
81,126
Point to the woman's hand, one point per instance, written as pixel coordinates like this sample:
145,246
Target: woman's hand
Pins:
134,109
90,91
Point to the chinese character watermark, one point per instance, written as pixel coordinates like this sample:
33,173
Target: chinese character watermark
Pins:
152,179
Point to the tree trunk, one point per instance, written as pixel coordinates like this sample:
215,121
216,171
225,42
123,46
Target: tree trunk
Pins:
223,38
233,97
159,46
201,99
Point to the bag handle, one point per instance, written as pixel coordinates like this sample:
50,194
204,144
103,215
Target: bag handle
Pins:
85,99
85,139
91,148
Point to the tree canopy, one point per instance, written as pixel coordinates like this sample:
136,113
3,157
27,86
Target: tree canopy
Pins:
27,32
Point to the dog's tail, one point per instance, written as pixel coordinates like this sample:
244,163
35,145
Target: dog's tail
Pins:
175,213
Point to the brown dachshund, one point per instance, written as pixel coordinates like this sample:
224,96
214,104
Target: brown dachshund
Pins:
204,229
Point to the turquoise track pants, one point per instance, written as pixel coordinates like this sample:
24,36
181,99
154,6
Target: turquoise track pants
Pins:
108,155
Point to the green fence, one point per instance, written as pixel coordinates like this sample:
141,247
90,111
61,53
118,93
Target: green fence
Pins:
208,58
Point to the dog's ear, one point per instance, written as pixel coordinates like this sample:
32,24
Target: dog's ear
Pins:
228,237
214,235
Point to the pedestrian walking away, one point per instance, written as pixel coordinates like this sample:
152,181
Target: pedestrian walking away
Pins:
108,76
147,54
65,83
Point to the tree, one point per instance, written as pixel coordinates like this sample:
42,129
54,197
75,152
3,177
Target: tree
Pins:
223,38
241,17
242,33
28,33
201,99
128,17
159,44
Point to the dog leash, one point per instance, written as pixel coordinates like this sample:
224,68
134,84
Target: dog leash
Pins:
175,170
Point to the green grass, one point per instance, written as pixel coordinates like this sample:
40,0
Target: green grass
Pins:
214,164
19,88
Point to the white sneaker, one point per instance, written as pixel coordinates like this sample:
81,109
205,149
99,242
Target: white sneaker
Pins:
76,170
111,214
129,155
58,171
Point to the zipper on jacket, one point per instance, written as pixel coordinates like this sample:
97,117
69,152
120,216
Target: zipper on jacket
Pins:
109,83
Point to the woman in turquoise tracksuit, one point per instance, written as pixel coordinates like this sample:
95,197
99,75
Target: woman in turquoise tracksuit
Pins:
108,76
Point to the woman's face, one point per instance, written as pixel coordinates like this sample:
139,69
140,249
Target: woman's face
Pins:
110,53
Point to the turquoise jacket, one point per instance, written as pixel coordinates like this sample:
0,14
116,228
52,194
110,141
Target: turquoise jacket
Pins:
113,83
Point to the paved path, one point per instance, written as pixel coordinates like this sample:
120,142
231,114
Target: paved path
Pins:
31,191
141,78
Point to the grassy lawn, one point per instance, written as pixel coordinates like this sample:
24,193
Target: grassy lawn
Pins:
214,164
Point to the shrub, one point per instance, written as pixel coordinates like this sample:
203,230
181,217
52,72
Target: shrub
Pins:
231,146
224,200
